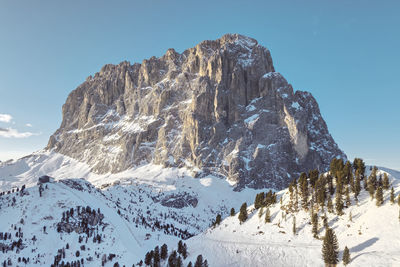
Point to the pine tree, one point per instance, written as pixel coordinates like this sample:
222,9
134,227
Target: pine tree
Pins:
325,219
156,256
330,248
243,213
294,225
258,202
392,195
199,261
164,252
217,220
267,216
232,212
339,204
379,196
385,182
398,199
315,224
260,212
346,256
304,189
357,187
371,190
179,262
148,258
330,205
348,201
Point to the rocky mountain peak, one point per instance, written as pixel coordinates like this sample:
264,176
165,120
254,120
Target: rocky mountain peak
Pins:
217,108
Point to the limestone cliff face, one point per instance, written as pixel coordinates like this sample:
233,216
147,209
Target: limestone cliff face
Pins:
218,108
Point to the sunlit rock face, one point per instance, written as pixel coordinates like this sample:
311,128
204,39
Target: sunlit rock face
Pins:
218,108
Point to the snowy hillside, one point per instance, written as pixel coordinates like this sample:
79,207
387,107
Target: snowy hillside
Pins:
130,213
372,235
142,208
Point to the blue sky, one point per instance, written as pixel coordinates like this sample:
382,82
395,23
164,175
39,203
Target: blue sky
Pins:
346,53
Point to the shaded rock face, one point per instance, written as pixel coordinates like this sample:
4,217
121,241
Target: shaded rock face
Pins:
218,108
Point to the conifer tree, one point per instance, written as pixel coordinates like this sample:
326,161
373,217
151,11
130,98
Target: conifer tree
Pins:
379,196
243,213
294,225
346,256
330,248
392,195
267,216
258,202
371,190
385,181
357,187
303,182
199,261
398,199
348,201
164,252
232,212
325,219
217,220
339,205
260,212
330,205
315,224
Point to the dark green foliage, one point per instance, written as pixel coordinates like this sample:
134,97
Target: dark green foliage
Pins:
164,252
172,259
217,220
330,205
336,166
385,182
148,258
392,195
190,264
303,182
398,199
359,166
346,256
314,221
179,262
347,193
232,212
339,204
330,247
313,177
267,216
156,256
371,190
243,213
294,229
379,196
259,201
357,187
199,261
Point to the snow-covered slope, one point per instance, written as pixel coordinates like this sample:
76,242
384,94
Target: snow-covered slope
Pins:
151,205
372,236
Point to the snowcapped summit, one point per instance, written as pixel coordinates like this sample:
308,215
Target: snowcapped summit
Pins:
193,110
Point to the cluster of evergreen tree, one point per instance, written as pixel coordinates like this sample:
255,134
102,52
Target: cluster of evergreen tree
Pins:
156,257
264,199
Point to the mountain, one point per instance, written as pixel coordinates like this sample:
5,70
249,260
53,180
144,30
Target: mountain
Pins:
72,220
218,108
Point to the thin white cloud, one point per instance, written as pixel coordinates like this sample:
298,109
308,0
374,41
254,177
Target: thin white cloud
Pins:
28,125
5,117
13,133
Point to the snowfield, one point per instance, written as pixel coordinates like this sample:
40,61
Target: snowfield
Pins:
151,205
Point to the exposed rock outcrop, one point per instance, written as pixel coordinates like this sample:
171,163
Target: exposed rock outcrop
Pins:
217,108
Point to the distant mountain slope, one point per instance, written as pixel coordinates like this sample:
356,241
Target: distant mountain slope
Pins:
218,108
